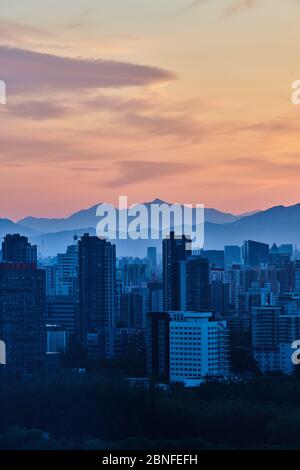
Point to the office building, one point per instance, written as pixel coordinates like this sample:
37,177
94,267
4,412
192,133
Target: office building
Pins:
187,347
17,249
232,255
152,259
56,339
67,271
194,288
22,317
255,253
273,333
63,311
97,290
158,345
156,297
175,249
199,347
216,258
51,275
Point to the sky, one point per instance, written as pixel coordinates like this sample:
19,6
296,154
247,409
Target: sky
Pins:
183,100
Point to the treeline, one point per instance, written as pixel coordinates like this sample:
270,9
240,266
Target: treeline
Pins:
68,411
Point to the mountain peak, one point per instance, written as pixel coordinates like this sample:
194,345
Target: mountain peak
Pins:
158,201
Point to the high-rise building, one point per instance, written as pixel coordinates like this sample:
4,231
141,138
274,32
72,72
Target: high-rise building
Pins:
156,297
248,275
187,347
194,288
265,327
220,293
235,279
199,347
286,248
273,333
17,249
56,339
255,253
281,273
134,307
220,290
22,317
51,279
175,249
232,255
63,311
152,258
66,272
216,258
158,345
135,274
97,289
296,275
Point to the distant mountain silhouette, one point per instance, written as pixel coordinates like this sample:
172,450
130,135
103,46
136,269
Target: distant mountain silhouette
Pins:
87,218
79,220
7,226
50,244
278,224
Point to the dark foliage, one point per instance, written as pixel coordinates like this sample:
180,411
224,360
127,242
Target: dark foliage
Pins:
97,412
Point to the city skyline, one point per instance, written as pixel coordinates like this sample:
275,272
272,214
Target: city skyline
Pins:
175,100
149,229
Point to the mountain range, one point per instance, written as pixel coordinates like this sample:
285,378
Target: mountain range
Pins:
280,224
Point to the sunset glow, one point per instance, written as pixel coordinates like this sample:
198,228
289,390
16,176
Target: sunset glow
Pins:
172,99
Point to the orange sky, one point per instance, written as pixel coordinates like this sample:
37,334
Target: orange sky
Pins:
188,101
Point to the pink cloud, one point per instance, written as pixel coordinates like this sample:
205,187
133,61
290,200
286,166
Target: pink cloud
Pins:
134,172
26,71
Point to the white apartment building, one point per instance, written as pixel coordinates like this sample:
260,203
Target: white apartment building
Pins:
199,347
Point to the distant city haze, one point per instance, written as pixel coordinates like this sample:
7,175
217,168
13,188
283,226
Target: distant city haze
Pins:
174,99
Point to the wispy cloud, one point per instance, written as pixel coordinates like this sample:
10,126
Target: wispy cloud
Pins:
133,172
235,6
272,127
239,6
264,168
37,110
30,71
14,32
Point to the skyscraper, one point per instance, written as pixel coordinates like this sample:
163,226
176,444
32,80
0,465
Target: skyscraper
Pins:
272,335
194,291
63,311
232,255
255,253
22,317
134,306
175,249
158,345
156,297
216,258
152,258
97,289
17,249
66,272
